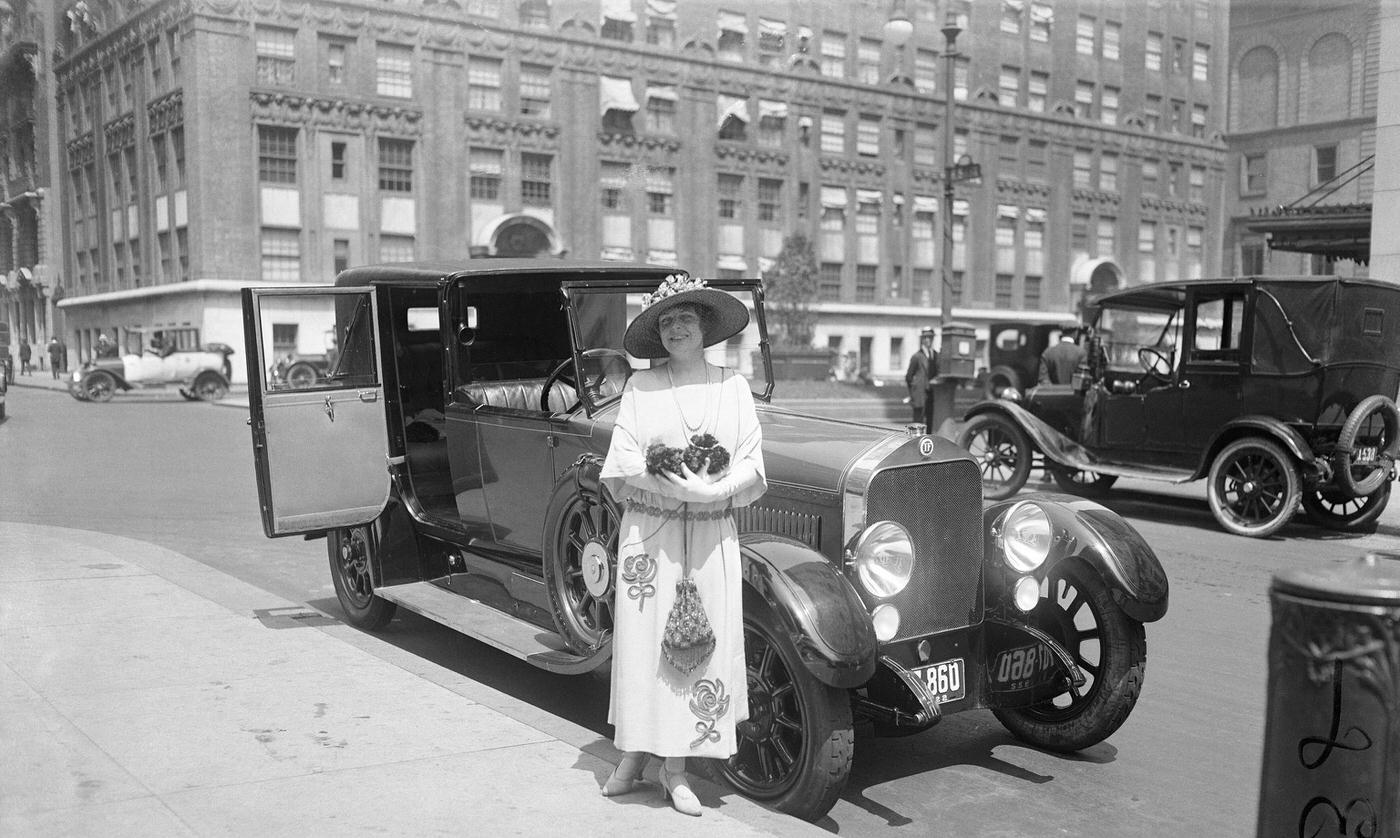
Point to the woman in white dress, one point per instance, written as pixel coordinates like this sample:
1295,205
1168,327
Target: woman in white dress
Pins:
680,525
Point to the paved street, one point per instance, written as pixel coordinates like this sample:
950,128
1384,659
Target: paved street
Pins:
178,477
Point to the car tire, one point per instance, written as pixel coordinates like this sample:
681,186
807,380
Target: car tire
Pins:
1253,487
188,396
1110,647
1002,451
1001,378
583,523
99,386
352,553
210,386
1081,482
795,749
1337,511
1363,480
301,376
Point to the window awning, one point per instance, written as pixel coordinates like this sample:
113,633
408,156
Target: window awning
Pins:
732,106
733,22
869,196
731,262
768,109
925,203
774,28
834,196
615,94
658,91
619,10
665,9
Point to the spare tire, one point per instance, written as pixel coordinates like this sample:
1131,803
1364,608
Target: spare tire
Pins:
1364,477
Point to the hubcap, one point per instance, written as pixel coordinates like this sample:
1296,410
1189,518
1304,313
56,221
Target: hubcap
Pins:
597,575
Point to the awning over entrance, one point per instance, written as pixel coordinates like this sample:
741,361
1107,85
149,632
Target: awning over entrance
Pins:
1338,231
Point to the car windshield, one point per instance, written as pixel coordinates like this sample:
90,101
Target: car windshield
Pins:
601,317
1126,330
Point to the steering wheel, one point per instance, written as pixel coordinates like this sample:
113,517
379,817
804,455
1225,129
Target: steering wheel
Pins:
604,374
1155,362
563,373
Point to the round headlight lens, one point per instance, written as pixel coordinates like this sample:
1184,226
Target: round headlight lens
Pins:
886,621
884,558
1026,593
1025,537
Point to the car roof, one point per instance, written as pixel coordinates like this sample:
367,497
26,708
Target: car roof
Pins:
418,273
1172,295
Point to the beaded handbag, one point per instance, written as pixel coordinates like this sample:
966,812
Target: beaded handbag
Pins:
688,640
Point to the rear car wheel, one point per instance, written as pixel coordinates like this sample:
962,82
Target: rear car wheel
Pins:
583,561
795,749
1002,451
1110,648
1081,482
301,376
210,386
99,386
351,553
1338,511
1254,488
1002,378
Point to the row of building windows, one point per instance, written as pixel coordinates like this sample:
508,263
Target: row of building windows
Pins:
141,74
1254,169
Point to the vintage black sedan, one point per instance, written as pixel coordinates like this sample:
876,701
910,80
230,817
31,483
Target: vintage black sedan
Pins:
1280,391
450,458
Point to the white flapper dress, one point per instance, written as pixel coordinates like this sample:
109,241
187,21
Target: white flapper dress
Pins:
655,708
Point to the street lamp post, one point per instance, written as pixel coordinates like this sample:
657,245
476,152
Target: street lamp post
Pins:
898,29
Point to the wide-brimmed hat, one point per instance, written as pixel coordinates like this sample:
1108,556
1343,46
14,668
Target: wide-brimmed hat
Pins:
721,315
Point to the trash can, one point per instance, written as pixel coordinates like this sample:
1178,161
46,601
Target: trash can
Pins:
1332,730
957,356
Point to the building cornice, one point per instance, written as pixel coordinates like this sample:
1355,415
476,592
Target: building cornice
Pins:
347,114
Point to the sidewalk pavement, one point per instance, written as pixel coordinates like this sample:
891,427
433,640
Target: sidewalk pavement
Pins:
143,693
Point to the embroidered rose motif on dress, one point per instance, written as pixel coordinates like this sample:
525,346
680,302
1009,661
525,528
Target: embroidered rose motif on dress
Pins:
709,702
638,571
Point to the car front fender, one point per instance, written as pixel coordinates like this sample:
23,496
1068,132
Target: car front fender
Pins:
816,606
1255,425
120,377
1099,537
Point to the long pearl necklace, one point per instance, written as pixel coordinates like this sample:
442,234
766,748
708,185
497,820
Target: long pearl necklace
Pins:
691,429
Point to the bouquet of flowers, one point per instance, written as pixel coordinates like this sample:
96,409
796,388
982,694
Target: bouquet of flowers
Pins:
704,454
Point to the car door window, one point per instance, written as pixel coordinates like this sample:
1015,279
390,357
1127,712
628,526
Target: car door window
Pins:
334,329
1217,328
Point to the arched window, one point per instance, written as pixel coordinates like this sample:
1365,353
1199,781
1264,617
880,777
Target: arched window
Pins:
1329,79
1258,90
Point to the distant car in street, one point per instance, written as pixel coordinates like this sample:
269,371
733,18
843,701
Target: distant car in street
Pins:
1013,353
301,372
198,374
1280,391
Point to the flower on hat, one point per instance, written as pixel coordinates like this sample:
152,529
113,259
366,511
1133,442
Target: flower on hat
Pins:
672,285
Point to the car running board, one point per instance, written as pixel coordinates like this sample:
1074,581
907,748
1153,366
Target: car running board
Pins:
1140,472
527,641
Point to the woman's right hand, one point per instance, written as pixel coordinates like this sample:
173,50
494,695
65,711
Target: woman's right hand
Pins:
697,488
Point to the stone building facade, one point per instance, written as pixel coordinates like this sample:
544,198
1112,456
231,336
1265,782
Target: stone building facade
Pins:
206,145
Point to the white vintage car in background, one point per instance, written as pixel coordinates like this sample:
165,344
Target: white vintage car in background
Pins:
199,374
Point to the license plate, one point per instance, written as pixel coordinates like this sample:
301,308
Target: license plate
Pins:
1016,669
944,680
1367,454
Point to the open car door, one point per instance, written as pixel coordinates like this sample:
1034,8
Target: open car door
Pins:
320,452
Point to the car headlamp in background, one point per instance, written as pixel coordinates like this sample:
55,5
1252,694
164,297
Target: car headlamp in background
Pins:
1025,537
884,558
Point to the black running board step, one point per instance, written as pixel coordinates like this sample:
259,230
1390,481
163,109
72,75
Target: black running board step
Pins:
1159,473
527,641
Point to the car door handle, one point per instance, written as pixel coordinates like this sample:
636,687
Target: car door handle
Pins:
369,395
1185,384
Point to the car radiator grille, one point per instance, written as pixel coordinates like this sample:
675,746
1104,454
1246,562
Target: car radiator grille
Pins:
940,504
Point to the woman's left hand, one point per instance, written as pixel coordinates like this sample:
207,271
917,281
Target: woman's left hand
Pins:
697,488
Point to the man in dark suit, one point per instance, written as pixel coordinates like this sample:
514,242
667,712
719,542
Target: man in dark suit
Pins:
1058,363
923,367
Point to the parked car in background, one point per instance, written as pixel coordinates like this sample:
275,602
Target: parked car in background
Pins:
1279,391
1013,354
198,374
301,371
878,591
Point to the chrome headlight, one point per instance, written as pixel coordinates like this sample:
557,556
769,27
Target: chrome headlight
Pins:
884,558
1025,537
1010,394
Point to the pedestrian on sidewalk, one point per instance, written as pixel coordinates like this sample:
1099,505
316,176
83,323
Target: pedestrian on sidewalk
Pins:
923,368
25,353
679,683
55,356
